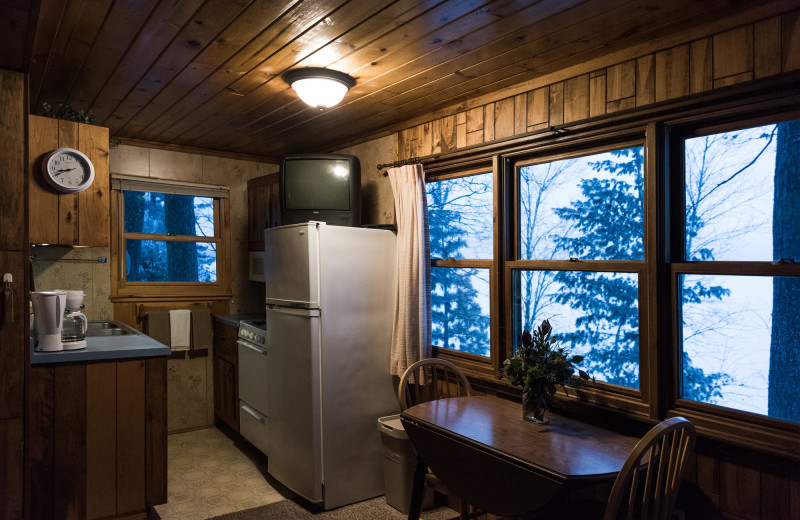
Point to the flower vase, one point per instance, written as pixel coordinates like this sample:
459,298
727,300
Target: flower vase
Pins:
536,407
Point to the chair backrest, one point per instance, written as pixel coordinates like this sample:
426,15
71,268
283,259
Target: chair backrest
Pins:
647,485
430,379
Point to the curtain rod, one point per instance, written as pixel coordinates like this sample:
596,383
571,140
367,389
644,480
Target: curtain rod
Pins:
402,162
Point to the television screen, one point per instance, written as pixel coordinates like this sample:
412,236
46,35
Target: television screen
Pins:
321,187
317,184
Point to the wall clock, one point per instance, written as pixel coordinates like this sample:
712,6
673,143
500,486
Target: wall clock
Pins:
68,170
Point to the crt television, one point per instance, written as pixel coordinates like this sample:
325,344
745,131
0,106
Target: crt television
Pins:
322,187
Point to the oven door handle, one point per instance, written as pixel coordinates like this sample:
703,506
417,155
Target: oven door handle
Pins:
252,413
245,344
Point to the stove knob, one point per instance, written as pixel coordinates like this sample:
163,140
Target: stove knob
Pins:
262,339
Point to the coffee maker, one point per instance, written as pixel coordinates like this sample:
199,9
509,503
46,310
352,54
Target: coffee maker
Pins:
48,319
73,333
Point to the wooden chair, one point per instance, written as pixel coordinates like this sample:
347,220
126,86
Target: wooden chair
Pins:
648,484
428,380
431,379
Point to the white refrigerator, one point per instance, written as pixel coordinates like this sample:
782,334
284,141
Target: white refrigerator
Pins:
330,294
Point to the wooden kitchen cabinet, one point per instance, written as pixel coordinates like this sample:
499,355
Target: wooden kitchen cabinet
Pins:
263,208
68,218
226,375
97,439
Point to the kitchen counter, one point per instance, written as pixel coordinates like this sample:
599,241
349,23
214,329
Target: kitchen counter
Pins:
132,345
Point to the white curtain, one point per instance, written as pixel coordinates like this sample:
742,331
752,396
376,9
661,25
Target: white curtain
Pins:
411,336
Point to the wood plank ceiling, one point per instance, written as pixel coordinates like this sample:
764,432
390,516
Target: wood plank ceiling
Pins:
208,73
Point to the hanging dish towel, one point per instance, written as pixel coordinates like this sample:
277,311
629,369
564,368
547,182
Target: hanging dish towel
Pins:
158,324
180,329
201,328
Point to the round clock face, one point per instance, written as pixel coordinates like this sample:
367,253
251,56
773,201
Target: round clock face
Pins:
68,170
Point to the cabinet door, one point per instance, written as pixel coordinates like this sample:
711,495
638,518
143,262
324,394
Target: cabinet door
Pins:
226,384
226,402
263,208
97,442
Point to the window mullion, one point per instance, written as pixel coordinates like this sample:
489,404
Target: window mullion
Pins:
170,238
657,355
608,266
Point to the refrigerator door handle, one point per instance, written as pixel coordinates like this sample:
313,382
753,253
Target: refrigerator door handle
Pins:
311,313
252,413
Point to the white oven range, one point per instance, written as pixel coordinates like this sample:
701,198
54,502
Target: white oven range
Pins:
253,354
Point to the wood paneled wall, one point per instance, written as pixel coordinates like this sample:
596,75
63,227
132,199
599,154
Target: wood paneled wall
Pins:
68,218
719,486
758,50
13,260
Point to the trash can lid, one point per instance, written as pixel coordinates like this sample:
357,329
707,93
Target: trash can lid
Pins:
392,426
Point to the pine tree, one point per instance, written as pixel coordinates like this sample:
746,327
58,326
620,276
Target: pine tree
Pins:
784,361
181,256
608,224
134,221
456,317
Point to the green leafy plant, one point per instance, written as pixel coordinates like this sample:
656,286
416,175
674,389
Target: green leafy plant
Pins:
540,364
66,112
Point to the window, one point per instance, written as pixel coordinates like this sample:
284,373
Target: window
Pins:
170,235
588,211
666,252
738,333
460,219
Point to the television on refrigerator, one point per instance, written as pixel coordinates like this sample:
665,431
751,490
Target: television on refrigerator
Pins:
321,187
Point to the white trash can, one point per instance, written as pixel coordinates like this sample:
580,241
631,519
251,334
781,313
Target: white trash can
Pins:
399,461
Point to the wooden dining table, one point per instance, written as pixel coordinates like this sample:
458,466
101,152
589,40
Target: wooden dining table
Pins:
482,451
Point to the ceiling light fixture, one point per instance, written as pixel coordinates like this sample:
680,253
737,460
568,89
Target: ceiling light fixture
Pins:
320,88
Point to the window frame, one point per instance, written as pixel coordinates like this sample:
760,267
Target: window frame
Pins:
727,424
628,400
658,126
474,363
122,290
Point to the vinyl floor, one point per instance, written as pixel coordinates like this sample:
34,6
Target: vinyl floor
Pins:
209,475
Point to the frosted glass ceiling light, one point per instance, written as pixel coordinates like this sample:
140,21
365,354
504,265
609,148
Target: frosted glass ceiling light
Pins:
320,88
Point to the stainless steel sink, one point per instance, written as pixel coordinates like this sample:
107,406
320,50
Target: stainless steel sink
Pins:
107,328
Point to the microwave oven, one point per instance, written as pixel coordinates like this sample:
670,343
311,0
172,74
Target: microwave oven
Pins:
256,266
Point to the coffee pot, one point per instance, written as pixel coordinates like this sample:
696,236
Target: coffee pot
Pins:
73,333
48,319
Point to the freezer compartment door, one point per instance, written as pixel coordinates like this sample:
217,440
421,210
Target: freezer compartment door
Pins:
293,384
291,265
253,375
253,426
